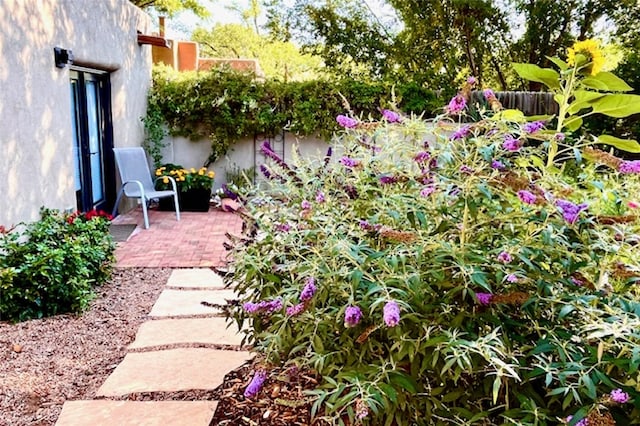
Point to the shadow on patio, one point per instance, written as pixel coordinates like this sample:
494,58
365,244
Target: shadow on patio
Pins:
196,241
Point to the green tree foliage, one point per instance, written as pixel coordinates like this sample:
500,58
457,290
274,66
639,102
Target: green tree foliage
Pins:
171,7
280,60
344,33
438,43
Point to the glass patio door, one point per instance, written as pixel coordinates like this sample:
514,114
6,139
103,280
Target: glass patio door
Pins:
92,140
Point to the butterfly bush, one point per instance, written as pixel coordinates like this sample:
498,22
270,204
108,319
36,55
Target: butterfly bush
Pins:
436,277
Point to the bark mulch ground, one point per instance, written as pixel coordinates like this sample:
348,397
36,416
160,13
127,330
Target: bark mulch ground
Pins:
67,357
45,362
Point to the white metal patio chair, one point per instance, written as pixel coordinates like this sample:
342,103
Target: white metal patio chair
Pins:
137,183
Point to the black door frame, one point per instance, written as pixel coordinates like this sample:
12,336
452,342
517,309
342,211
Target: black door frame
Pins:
84,197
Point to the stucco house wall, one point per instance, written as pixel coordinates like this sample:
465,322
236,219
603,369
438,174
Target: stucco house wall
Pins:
36,150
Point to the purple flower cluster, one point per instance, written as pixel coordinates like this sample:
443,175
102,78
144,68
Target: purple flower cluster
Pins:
346,122
388,180
456,105
466,169
628,167
295,310
461,133
283,227
512,278
533,127
472,81
488,94
349,162
308,290
266,149
391,313
327,156
583,422
498,165
427,190
320,197
570,211
619,396
352,316
527,197
422,157
369,227
576,281
255,385
266,172
511,144
559,137
391,116
305,205
263,307
484,298
504,257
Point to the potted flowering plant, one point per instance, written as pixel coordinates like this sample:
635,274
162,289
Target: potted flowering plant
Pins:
194,186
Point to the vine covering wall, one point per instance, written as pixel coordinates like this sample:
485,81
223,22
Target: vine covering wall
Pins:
225,105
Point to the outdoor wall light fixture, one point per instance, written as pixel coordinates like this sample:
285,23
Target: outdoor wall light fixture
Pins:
62,57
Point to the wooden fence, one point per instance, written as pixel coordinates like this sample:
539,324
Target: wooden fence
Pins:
530,103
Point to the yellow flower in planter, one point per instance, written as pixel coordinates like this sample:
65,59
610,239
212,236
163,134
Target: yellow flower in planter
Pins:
186,179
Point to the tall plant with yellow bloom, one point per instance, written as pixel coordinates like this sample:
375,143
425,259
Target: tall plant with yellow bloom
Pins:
186,179
581,88
587,53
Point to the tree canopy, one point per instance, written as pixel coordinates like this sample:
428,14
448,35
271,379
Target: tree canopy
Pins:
280,60
442,41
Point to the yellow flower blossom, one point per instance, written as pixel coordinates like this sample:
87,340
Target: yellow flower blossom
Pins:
165,180
193,170
201,172
592,50
212,174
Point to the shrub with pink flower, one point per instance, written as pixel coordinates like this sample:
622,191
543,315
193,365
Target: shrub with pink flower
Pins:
347,122
447,276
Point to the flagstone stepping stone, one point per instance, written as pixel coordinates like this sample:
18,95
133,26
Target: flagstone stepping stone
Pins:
189,302
187,330
136,413
195,278
172,370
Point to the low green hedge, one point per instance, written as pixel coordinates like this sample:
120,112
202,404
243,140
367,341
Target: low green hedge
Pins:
51,266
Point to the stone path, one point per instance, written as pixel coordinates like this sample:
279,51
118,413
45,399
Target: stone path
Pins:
162,358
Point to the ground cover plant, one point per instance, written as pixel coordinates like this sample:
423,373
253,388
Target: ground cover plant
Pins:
453,272
50,266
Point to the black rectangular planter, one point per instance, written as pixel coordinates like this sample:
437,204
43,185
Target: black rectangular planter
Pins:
192,200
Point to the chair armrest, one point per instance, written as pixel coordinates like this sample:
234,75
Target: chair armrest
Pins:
171,179
136,182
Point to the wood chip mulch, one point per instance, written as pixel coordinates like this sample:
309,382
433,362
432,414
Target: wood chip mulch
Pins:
280,402
45,362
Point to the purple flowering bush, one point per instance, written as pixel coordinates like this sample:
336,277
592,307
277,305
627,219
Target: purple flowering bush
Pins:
426,285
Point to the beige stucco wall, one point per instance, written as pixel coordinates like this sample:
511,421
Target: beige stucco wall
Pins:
36,163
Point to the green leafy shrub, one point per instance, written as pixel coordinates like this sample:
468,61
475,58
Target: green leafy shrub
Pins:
225,105
51,266
441,273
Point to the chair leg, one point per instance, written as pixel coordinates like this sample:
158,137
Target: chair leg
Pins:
144,213
175,203
115,206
